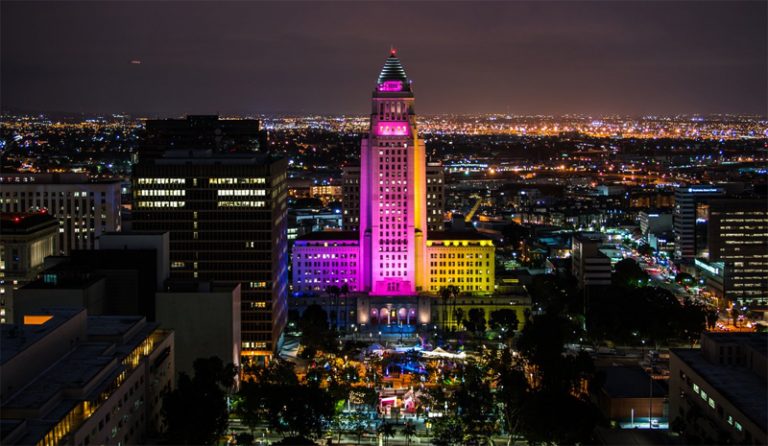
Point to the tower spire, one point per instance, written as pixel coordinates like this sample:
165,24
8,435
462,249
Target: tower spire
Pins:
393,70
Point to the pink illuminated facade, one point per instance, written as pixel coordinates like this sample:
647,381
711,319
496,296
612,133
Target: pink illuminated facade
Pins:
392,190
389,264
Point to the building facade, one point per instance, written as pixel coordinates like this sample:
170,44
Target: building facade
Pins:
350,201
654,222
209,325
435,197
25,241
589,266
227,219
85,208
393,253
718,392
67,378
735,263
690,211
206,132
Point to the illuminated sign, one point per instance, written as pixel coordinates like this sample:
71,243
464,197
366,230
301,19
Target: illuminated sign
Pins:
390,86
392,129
700,191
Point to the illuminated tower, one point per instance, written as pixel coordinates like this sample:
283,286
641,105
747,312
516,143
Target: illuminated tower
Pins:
392,189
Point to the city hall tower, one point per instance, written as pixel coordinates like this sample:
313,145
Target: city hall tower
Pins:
392,189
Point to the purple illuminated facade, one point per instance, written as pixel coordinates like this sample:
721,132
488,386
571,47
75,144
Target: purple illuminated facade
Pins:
392,185
389,264
389,249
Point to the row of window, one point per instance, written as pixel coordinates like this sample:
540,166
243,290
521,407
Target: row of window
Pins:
456,255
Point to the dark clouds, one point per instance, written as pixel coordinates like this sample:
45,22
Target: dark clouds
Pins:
239,57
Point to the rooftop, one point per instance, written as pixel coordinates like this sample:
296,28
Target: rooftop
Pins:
26,223
630,382
456,235
16,338
80,373
743,388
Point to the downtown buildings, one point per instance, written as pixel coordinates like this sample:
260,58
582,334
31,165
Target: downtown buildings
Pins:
226,216
25,241
735,263
85,208
393,254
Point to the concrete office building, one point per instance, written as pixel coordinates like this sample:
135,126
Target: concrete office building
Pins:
120,278
25,241
85,208
201,132
63,286
718,392
590,266
227,219
208,325
435,196
67,378
654,222
350,198
735,263
689,212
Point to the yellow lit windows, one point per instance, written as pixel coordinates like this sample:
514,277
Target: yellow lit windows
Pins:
241,204
162,181
241,192
161,193
161,204
237,181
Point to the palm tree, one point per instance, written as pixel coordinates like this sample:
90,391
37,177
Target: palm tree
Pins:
458,314
333,293
409,430
344,291
387,430
445,295
449,294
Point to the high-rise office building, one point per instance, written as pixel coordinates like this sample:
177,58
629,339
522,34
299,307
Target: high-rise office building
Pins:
653,221
589,266
25,241
735,263
201,132
227,216
350,198
691,210
435,196
388,255
85,208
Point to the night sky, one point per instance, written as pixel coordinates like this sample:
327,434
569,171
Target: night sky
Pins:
259,57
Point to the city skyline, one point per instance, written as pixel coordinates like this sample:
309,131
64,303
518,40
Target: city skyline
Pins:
595,58
383,224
